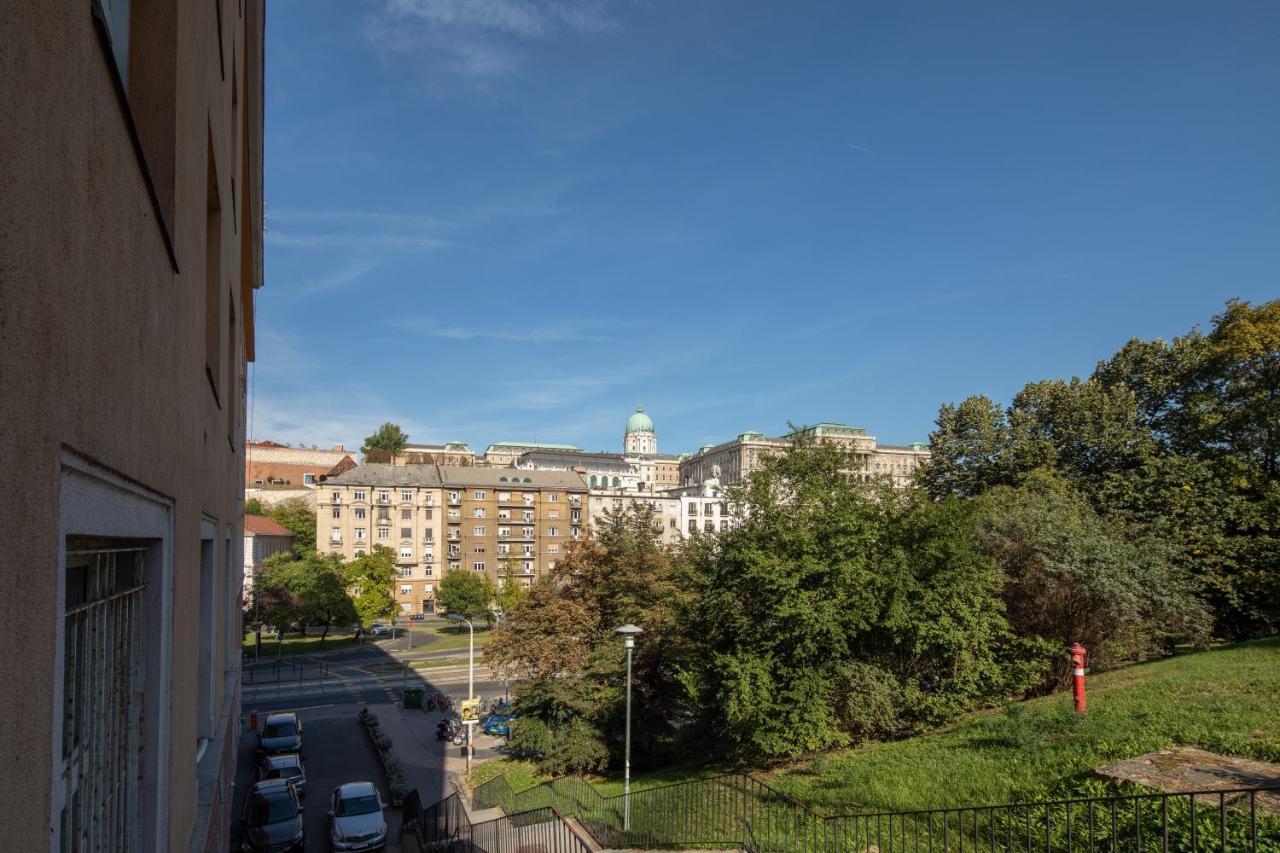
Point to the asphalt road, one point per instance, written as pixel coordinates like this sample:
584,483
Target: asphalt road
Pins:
327,692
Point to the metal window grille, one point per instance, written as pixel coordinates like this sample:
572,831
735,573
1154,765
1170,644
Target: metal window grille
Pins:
103,682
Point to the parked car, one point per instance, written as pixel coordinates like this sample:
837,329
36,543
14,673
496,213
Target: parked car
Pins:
282,732
272,819
285,765
355,818
499,724
377,629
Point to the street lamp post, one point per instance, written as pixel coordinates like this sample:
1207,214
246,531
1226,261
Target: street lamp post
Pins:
629,634
471,675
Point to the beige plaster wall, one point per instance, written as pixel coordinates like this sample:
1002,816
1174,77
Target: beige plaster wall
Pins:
102,344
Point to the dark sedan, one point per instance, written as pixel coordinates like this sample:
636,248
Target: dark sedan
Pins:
282,732
272,820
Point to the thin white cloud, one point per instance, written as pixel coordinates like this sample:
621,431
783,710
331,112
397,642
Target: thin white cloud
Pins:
352,240
476,42
860,148
432,328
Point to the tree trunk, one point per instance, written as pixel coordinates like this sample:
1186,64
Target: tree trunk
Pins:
324,633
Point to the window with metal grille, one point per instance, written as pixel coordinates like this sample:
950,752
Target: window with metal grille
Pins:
104,677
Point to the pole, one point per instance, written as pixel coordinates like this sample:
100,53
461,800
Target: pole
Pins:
471,660
626,766
471,684
257,620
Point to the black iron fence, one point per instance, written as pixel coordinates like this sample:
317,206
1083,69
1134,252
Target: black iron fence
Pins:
445,826
737,810
284,670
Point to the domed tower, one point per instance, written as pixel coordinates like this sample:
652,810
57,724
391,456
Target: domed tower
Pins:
639,437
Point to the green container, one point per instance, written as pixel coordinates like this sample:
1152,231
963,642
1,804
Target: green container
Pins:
413,697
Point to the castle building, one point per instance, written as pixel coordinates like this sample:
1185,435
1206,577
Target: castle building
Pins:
731,461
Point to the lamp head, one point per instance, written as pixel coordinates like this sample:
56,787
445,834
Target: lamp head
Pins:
629,633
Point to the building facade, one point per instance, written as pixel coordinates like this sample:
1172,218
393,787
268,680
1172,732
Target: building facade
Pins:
398,507
732,461
267,464
504,454
454,453
263,538
511,525
131,209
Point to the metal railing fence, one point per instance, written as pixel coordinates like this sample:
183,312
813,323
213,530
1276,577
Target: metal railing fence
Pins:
737,810
445,826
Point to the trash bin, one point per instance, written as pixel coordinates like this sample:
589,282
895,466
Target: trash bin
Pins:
413,697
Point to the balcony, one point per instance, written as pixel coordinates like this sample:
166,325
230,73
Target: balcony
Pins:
384,520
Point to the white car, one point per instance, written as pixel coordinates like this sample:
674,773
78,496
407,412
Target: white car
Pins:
355,818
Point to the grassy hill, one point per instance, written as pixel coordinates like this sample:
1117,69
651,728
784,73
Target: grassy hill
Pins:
1226,700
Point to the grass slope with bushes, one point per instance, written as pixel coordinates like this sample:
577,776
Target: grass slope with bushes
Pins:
1226,700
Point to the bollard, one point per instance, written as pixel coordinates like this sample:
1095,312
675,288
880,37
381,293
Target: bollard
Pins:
253,721
1078,655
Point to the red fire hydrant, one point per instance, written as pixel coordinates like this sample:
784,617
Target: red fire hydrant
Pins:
253,721
1078,655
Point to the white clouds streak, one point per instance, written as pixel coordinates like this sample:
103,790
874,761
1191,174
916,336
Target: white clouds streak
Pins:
431,328
476,42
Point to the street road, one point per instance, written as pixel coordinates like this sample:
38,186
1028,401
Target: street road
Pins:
327,690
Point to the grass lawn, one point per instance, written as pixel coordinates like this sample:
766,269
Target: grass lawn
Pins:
1227,700
294,645
436,664
438,638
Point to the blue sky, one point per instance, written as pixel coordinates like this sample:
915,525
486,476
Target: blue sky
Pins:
520,219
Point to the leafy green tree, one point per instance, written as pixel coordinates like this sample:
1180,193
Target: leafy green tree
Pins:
968,449
310,589
509,593
297,516
385,443
840,610
253,506
468,594
560,646
1074,576
371,578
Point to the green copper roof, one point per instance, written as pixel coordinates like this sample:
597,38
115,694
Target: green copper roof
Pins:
639,422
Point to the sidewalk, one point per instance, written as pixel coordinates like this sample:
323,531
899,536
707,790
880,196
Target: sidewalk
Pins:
427,762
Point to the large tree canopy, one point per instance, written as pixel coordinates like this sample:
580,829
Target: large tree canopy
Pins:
388,438
297,516
465,593
1180,440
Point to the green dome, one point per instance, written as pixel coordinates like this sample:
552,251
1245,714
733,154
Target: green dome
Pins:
639,422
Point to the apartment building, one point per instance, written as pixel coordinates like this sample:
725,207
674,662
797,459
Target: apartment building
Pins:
730,462
667,525
510,525
131,214
398,507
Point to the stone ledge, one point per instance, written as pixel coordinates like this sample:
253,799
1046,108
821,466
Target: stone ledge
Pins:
1183,769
